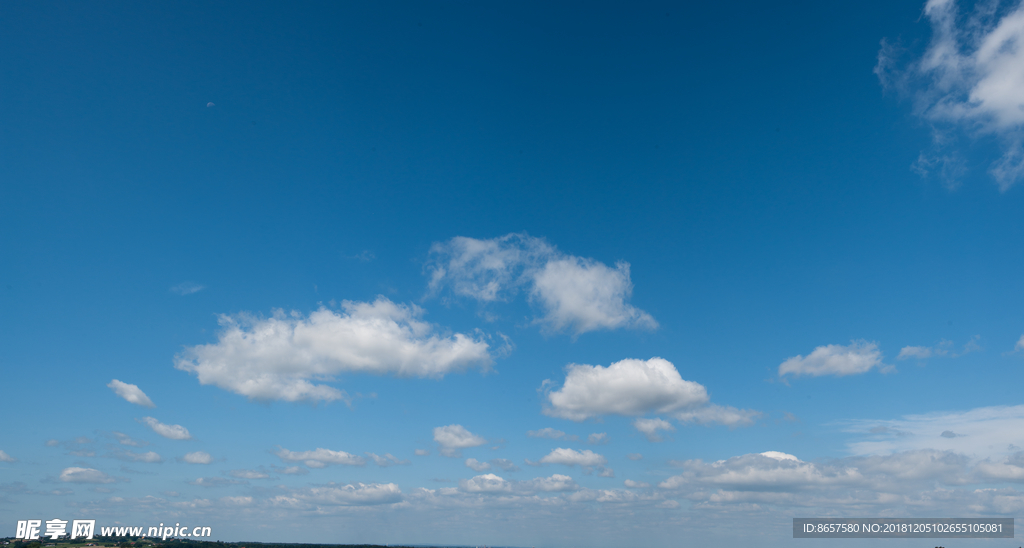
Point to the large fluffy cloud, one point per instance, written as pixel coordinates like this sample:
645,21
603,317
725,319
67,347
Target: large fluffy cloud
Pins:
833,359
453,438
575,294
131,393
277,358
628,387
966,84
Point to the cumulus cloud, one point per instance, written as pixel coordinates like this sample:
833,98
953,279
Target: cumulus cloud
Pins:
486,483
719,414
84,475
169,431
453,438
574,294
494,484
571,457
477,465
276,358
549,433
131,393
627,387
859,357
197,457
650,428
4,457
320,457
966,84
636,484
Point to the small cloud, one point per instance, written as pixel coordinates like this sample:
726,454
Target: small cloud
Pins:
197,457
387,460
248,474
950,434
4,457
833,359
131,393
84,475
634,456
364,257
320,457
422,452
149,456
636,484
789,417
216,482
125,439
209,105
453,438
477,465
650,428
598,438
187,288
505,465
570,457
169,431
548,433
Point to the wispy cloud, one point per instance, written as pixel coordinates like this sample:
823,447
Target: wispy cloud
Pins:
169,431
966,85
834,359
131,393
187,288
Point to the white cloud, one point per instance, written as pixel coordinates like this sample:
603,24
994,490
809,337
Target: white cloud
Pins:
453,438
249,474
387,460
941,350
131,393
422,452
477,465
84,475
634,456
636,484
169,431
571,457
967,82
276,358
719,414
859,357
554,483
598,438
358,494
627,387
549,433
4,457
197,457
1019,347
984,432
575,294
125,439
486,483
650,428
216,482
320,457
187,288
148,456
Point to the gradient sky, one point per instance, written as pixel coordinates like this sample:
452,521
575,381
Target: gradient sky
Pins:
525,274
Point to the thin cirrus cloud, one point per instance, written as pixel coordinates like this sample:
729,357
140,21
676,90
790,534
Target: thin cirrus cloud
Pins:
833,359
966,84
169,431
574,294
452,439
547,433
944,349
634,387
187,288
276,358
131,393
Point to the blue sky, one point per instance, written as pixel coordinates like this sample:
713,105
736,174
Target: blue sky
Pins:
510,273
